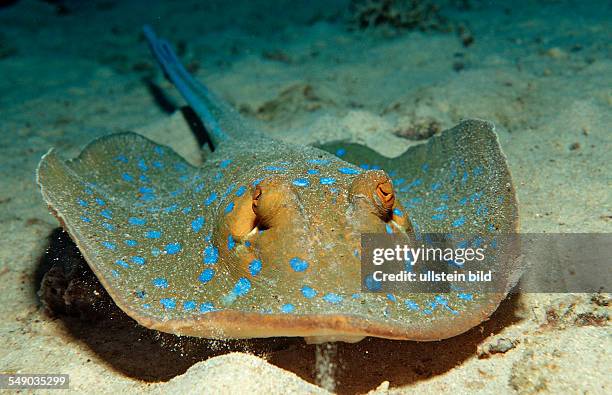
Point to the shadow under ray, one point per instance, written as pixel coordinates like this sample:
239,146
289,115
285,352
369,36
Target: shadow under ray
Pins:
363,366
70,292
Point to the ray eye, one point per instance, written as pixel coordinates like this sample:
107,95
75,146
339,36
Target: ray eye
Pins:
256,196
384,191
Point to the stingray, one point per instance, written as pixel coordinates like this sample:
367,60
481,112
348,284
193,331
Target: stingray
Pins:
264,239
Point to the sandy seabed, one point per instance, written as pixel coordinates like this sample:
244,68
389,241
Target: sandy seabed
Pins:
542,72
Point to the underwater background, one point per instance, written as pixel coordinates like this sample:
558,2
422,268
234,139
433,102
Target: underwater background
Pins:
385,73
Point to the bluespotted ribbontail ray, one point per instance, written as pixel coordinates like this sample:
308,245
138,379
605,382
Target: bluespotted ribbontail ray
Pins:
264,239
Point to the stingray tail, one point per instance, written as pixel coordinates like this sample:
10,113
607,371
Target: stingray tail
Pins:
219,118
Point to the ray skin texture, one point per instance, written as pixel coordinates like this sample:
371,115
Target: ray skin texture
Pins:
264,239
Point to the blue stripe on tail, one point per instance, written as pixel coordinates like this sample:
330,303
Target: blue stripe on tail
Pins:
195,93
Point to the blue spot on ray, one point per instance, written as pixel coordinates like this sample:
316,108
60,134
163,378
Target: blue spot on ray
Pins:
240,191
206,275
108,226
372,284
255,267
138,260
287,308
327,180
122,263
242,287
109,245
189,305
136,221
301,182
173,248
458,222
229,208
142,165
153,234
168,303
308,292
160,282
211,255
465,296
197,224
298,265
348,170
210,199
332,298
